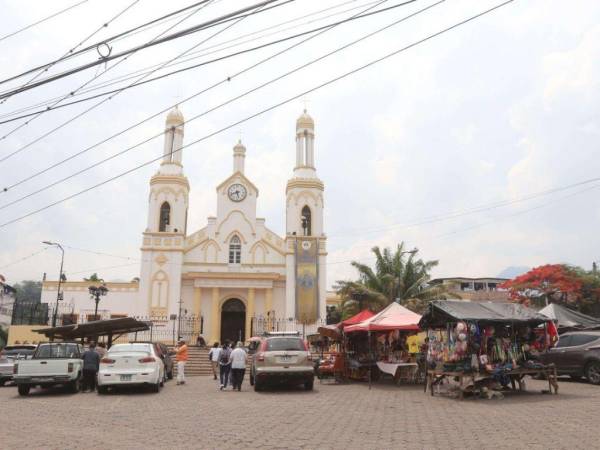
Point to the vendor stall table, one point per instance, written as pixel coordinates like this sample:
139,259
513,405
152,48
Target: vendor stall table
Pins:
435,377
406,372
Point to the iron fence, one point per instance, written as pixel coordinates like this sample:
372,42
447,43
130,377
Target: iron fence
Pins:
261,325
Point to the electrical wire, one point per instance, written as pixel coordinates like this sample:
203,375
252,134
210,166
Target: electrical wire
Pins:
45,19
130,75
70,51
197,28
53,130
218,59
12,263
264,111
225,80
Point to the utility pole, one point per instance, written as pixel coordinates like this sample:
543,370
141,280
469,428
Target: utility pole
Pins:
60,278
179,320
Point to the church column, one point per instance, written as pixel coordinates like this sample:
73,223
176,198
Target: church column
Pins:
268,307
215,317
249,312
197,309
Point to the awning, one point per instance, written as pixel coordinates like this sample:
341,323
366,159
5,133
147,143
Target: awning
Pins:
330,331
394,317
358,318
108,327
568,319
441,312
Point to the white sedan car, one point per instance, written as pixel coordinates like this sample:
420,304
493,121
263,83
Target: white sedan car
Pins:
130,365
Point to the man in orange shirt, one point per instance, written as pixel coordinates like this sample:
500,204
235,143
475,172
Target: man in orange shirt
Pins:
181,356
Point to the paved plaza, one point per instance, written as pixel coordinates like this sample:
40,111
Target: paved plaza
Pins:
347,416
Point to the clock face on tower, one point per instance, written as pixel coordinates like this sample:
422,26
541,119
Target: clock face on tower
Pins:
236,192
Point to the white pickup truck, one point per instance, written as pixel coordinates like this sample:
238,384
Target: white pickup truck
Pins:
52,363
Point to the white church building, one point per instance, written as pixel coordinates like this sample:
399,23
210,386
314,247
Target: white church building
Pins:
233,269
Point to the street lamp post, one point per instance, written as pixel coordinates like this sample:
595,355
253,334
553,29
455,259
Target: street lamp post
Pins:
96,292
60,278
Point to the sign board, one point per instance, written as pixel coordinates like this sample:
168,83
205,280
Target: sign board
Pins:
307,281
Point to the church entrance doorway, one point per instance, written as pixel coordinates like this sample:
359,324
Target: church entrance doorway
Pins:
233,321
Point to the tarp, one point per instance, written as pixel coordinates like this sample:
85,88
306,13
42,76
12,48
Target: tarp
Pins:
330,331
358,318
440,312
568,319
394,317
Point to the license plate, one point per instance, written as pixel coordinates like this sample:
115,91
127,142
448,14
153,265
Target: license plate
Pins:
285,358
125,377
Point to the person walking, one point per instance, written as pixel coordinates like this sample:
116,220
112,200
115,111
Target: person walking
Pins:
238,365
181,356
224,365
213,357
91,365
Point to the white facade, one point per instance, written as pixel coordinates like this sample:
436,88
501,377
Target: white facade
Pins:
235,267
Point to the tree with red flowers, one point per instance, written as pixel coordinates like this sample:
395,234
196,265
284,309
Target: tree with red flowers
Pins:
556,283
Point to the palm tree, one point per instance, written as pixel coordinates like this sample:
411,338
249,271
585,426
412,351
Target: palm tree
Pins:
395,277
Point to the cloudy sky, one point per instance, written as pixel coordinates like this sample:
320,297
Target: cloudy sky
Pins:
456,146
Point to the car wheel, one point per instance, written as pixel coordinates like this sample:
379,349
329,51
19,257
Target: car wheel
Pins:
170,374
575,377
2,383
592,372
257,386
74,386
24,390
309,385
102,390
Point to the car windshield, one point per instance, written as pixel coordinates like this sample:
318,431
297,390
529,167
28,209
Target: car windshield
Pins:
46,351
285,344
12,353
128,348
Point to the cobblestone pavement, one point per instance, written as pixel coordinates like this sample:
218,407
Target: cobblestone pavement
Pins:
349,416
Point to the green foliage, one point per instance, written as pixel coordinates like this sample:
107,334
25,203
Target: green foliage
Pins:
29,291
94,278
397,276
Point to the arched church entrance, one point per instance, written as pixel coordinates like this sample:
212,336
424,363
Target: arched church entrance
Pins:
233,321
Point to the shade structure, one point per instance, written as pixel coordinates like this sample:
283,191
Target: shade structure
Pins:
394,317
330,331
358,318
568,319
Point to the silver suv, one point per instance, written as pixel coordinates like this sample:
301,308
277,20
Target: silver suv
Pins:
282,358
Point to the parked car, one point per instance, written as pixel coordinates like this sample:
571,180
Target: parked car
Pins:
165,354
577,354
9,355
51,364
282,358
133,364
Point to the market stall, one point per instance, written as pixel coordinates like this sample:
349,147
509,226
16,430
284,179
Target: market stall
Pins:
486,346
378,345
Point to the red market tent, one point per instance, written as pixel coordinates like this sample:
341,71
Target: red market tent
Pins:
394,317
358,318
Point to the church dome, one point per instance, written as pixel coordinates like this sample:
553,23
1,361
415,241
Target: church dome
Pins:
175,117
305,121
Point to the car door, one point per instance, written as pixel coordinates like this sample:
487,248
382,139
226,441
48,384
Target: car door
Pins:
574,355
556,355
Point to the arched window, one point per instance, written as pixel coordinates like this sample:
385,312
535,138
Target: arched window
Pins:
235,250
165,216
306,221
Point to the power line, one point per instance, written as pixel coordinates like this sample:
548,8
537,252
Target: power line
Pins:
226,80
105,41
204,63
48,133
43,20
263,111
12,263
214,22
70,51
125,77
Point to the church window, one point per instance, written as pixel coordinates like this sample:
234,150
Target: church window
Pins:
165,216
235,250
306,221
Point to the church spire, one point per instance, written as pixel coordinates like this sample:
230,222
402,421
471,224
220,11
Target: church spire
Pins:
239,155
173,137
305,139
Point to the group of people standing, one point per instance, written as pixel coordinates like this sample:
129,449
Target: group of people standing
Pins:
230,359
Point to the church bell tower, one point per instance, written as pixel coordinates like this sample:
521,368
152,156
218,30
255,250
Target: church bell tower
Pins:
306,254
163,240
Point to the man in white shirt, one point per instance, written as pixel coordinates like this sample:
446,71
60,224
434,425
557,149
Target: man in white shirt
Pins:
238,365
213,357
